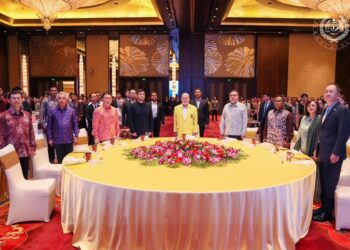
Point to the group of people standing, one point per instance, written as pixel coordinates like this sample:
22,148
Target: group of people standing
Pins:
322,131
322,135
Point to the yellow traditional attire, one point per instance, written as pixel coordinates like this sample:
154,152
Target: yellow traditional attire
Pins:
187,125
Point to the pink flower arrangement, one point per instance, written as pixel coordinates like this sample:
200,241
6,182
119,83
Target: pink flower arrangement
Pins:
183,152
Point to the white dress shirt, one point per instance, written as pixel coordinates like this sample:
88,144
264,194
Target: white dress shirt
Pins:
154,109
234,119
184,111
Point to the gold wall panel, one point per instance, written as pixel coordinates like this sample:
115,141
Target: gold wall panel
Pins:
229,56
144,55
52,56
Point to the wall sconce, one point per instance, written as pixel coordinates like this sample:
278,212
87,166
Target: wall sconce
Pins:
81,76
24,74
114,75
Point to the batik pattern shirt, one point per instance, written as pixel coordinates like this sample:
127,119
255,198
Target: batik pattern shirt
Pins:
16,128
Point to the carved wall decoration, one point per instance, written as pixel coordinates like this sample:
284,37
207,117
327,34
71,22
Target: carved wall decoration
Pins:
230,40
52,56
144,55
133,61
229,56
240,62
142,39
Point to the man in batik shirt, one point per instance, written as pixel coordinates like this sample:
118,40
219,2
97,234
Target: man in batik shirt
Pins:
16,128
62,127
279,124
105,121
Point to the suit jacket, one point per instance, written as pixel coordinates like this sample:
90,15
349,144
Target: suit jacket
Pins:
189,125
333,133
203,112
89,111
115,104
26,106
262,114
160,113
125,112
140,118
288,107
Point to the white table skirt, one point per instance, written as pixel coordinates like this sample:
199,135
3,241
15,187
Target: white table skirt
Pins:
109,217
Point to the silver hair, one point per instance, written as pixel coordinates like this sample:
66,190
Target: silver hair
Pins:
185,94
64,94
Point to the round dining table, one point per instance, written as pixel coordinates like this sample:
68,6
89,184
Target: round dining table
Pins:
260,202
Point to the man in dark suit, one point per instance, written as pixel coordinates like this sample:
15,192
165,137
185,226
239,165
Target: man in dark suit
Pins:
203,111
89,111
157,113
26,103
127,106
330,149
265,106
140,116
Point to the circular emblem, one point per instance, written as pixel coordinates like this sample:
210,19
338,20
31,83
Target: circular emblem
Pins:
332,33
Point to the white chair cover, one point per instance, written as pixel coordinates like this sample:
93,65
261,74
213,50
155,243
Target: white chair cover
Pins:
42,168
29,200
342,208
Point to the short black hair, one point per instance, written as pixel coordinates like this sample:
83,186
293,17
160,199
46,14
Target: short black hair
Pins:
139,91
233,91
53,87
304,95
267,94
105,93
282,96
14,91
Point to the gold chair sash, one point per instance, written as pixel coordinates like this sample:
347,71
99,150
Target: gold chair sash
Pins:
82,140
3,186
9,160
40,144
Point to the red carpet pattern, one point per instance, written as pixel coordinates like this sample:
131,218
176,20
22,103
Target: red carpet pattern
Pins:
49,236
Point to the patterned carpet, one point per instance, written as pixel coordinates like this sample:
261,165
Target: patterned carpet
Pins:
47,236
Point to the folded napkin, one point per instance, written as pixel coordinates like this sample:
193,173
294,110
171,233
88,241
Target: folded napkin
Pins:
302,162
82,149
72,160
190,137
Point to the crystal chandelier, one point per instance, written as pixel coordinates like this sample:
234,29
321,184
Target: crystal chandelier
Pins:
339,10
47,9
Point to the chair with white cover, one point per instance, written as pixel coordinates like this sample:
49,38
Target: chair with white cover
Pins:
342,195
42,168
82,144
342,207
30,200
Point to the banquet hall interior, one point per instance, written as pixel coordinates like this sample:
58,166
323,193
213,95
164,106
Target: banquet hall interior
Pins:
255,47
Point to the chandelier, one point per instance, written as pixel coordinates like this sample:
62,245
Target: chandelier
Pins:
47,9
339,10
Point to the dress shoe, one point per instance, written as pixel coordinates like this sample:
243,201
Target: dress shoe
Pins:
321,217
317,211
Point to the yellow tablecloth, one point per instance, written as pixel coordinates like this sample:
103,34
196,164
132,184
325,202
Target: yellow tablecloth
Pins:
258,203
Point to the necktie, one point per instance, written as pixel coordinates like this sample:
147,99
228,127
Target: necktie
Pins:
265,109
325,114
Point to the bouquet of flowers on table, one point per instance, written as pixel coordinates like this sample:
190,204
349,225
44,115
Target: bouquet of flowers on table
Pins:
185,152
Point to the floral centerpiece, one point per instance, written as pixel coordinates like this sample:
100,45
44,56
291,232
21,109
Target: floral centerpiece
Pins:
184,152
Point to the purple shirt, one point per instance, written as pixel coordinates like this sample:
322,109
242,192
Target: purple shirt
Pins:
61,125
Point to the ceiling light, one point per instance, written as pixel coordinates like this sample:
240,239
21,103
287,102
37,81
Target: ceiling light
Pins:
339,9
47,9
